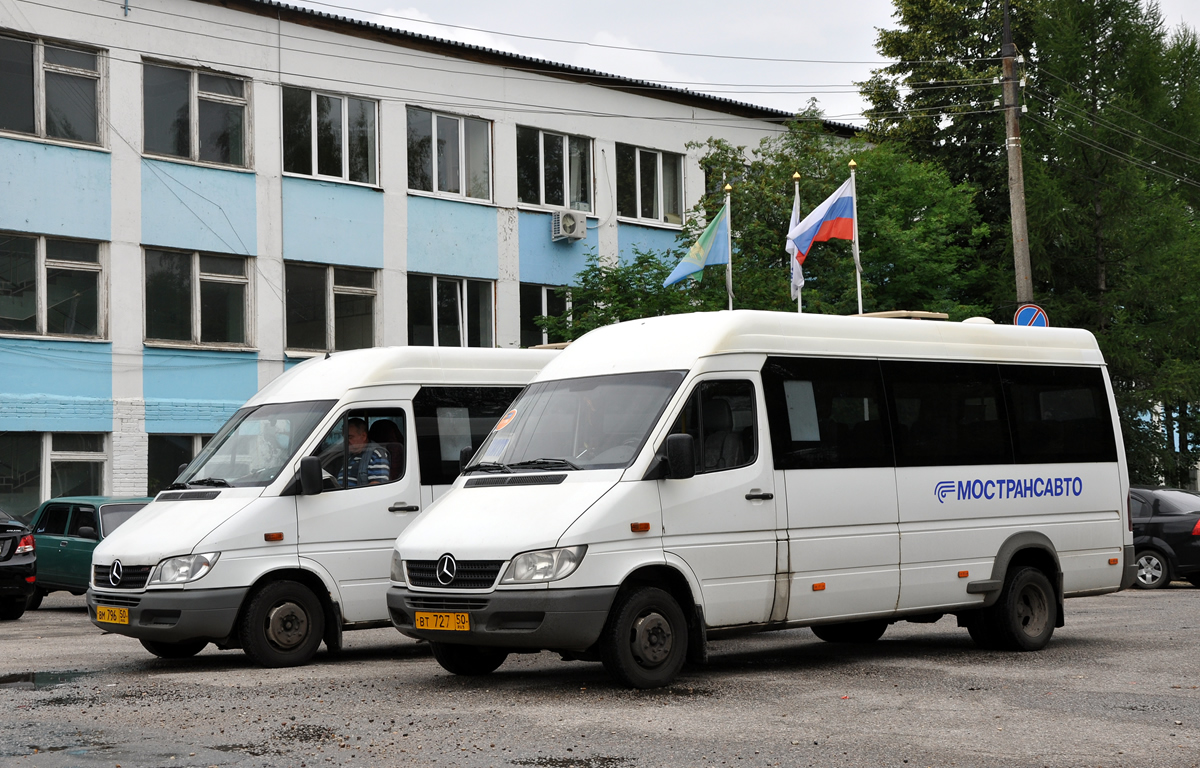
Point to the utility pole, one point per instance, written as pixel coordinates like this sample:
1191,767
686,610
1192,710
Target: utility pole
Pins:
1016,173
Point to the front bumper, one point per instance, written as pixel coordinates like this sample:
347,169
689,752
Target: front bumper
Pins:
544,619
172,616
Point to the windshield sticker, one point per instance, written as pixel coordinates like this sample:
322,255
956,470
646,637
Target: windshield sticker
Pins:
506,419
495,449
1016,488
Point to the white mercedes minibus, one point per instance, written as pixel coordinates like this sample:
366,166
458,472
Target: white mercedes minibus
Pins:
669,481
278,535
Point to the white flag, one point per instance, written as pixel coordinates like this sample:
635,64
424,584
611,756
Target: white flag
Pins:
790,247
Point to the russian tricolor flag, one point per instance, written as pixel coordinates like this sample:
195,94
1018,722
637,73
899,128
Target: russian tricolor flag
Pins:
832,218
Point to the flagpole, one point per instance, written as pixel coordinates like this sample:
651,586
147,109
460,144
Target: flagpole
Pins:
729,235
796,184
857,263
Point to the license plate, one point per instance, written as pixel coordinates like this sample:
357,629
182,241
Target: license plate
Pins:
112,615
452,622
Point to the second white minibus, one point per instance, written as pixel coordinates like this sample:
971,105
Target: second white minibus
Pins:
669,481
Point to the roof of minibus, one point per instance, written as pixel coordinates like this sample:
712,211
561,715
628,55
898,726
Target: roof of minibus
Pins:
678,342
329,378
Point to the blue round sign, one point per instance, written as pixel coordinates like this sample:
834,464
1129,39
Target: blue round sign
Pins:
1031,314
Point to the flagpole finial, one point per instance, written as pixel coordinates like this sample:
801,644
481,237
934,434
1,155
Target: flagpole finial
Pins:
853,165
796,176
728,188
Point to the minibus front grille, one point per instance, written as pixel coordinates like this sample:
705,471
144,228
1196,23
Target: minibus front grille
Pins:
188,495
447,603
469,574
132,576
492,482
117,601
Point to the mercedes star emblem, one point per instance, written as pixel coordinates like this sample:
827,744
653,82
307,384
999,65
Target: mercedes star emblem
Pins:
446,568
114,575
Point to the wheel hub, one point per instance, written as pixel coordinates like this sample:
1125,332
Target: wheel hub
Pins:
1032,611
652,639
287,625
1150,570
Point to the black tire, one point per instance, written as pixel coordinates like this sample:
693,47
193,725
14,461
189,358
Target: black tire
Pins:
12,608
181,650
1023,618
35,600
282,625
470,660
1153,570
851,631
645,641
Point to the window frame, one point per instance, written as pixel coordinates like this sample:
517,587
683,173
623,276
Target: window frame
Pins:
462,155
100,75
566,180
194,99
198,277
660,189
546,291
313,93
332,290
50,457
464,317
42,263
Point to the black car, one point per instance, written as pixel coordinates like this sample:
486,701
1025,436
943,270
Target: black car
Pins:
1166,535
18,567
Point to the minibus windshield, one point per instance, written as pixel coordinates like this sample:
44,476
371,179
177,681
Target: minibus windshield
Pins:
254,445
598,422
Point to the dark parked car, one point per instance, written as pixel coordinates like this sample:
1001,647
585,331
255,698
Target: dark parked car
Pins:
67,529
18,567
1166,535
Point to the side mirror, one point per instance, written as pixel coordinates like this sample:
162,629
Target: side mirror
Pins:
681,456
310,476
464,458
87,532
182,467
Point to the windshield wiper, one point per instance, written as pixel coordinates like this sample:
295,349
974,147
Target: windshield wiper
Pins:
177,487
217,482
546,463
487,466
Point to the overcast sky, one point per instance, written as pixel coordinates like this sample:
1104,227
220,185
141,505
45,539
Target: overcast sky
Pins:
835,39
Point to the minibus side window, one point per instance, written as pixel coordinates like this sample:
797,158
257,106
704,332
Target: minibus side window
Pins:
374,454
947,414
720,415
826,414
1058,414
449,419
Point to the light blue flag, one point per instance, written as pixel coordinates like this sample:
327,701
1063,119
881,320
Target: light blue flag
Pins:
712,247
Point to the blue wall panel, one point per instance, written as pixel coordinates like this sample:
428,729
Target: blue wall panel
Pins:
55,190
551,262
55,386
332,223
198,209
645,238
194,391
446,237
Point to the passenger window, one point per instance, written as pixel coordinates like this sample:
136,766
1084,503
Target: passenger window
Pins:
1059,414
826,414
54,520
449,419
720,415
83,517
949,414
374,454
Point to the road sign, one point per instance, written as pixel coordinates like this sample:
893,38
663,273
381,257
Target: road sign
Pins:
1031,314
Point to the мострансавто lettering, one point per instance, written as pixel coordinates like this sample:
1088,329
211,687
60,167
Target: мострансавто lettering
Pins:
1008,488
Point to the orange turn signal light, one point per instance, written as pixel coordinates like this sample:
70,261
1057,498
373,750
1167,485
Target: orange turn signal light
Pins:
1113,560
819,586
272,537
639,527
963,574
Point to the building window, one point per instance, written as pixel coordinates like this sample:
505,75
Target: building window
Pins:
76,463
48,90
536,301
50,286
450,312
194,115
553,169
329,135
649,185
200,298
316,293
167,453
463,161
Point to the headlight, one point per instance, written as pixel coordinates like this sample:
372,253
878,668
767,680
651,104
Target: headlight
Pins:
397,567
544,565
180,570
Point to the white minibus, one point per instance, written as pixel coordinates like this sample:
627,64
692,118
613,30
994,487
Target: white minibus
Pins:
278,535
670,481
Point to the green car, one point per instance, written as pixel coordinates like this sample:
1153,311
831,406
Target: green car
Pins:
66,531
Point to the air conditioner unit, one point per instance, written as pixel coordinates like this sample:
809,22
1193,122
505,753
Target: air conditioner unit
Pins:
568,225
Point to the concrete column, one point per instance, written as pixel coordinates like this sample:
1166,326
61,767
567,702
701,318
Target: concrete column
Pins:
269,297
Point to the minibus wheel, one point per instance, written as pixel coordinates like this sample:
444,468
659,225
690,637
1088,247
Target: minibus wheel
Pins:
1023,618
851,631
182,650
282,625
645,641
470,660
